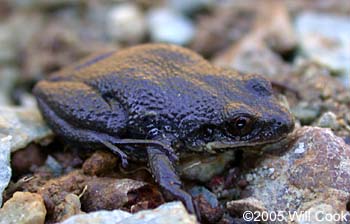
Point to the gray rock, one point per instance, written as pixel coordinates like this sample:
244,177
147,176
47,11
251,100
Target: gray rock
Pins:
313,174
24,124
325,39
23,208
169,26
328,120
18,127
8,77
5,168
126,23
7,45
204,168
305,113
186,6
173,212
209,196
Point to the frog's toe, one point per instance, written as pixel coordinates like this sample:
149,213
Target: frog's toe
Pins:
123,157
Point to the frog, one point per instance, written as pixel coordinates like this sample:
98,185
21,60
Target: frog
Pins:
155,103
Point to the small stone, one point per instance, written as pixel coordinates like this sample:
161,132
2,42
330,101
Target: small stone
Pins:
8,77
69,207
100,163
169,26
24,124
325,38
238,207
23,208
186,6
126,23
26,160
208,204
54,165
209,196
108,193
7,45
328,120
305,113
205,168
170,213
256,51
5,168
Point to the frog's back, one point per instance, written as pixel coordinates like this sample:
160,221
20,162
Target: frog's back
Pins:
158,85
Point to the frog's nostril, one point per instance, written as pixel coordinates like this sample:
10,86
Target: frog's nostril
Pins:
284,124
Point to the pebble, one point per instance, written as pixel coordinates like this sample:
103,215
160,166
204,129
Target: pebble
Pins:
24,124
168,26
205,168
325,38
170,213
209,196
7,49
305,113
23,208
328,120
18,127
208,204
100,163
54,166
5,168
188,7
126,23
238,207
109,193
8,76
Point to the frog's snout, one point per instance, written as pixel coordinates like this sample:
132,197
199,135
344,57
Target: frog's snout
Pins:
283,124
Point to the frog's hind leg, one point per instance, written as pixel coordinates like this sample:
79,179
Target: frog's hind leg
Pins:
165,175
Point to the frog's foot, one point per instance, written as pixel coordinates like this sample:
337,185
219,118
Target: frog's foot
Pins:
123,157
164,148
165,175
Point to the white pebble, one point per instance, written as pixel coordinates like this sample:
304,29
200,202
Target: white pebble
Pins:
169,26
126,23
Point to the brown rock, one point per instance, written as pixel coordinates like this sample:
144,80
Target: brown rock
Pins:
100,163
256,52
209,214
55,192
23,208
238,207
25,160
224,27
109,193
70,206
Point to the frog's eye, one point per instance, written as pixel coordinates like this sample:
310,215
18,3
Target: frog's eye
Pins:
240,125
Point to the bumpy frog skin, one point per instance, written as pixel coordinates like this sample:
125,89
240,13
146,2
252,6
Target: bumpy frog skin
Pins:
155,101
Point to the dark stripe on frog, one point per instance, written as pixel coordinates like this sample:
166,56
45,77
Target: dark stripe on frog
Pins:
94,60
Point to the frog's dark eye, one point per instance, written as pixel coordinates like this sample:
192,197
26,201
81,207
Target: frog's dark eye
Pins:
240,126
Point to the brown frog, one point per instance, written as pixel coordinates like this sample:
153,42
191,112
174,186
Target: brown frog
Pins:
155,102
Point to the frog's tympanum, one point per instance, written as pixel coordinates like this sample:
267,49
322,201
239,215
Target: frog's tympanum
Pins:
157,101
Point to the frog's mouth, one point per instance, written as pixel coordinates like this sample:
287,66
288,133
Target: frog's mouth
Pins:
215,146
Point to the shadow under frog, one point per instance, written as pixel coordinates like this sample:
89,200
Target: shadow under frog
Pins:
155,102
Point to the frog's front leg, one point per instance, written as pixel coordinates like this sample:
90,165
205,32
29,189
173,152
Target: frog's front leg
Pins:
165,175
